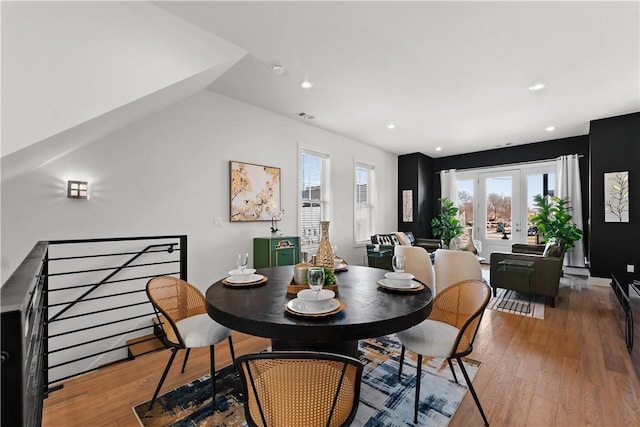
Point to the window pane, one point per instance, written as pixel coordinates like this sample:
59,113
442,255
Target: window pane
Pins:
499,207
363,208
544,184
312,181
465,205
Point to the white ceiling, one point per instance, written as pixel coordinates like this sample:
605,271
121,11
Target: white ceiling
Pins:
449,74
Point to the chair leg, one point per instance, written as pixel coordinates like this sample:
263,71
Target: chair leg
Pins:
233,353
417,402
184,362
174,351
452,370
401,362
212,359
472,390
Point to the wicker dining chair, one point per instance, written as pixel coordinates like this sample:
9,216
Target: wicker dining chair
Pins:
302,389
180,310
449,331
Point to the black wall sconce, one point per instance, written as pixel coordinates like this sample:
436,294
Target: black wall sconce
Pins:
77,190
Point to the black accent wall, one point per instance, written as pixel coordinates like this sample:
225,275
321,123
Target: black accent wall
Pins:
416,173
538,151
615,147
417,170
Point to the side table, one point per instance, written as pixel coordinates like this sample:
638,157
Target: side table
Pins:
521,267
380,258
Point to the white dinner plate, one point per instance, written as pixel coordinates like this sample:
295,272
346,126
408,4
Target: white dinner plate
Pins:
388,284
303,307
250,279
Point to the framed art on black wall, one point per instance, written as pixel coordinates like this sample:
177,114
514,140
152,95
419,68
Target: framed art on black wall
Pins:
616,196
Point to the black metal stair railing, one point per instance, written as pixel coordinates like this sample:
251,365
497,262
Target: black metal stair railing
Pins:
71,345
112,274
60,312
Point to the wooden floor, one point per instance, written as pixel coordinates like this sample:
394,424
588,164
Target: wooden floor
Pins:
570,369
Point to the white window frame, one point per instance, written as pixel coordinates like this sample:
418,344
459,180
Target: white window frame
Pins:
324,199
524,169
369,206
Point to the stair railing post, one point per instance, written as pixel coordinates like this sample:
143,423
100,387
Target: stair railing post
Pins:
183,257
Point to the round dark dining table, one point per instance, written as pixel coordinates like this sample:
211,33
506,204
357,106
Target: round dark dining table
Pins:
370,311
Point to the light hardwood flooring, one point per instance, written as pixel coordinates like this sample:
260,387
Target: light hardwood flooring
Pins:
570,369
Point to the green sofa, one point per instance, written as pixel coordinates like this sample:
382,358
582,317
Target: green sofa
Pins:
547,265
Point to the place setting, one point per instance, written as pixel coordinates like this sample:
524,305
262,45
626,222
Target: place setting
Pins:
398,280
315,301
243,276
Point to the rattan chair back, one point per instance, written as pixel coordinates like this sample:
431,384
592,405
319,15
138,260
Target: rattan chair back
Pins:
462,305
175,300
302,389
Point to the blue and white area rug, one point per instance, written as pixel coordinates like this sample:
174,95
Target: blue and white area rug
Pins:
384,400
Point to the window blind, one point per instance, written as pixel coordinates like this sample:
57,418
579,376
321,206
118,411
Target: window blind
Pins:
314,198
363,203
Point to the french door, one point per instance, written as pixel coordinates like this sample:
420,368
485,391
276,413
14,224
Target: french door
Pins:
498,202
500,218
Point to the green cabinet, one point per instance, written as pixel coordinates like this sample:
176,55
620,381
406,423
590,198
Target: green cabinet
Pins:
275,251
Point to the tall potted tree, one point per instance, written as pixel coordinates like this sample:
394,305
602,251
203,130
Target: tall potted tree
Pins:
554,220
446,225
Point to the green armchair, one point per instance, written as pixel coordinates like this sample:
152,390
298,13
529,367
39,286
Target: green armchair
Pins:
547,261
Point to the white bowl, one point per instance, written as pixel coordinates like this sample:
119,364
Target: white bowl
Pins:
309,297
399,279
242,275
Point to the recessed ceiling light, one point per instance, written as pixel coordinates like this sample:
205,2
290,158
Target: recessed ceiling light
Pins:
536,86
306,84
550,128
391,126
438,148
277,69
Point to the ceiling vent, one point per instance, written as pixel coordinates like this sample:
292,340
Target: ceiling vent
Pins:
306,116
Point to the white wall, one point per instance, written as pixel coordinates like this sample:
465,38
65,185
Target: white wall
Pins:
64,63
169,174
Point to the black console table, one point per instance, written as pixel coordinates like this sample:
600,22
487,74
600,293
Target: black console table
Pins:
625,298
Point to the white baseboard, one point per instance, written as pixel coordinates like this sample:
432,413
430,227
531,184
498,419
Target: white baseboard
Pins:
576,271
591,281
599,281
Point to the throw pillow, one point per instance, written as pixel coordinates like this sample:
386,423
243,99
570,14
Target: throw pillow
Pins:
552,248
403,239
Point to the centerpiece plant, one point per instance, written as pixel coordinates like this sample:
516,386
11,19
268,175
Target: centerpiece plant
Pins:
329,277
554,220
446,225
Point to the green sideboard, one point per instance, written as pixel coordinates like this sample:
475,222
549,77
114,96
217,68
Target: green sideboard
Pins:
275,251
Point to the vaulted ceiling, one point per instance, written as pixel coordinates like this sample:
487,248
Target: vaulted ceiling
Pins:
454,75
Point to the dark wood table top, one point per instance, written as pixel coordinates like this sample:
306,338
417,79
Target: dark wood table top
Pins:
370,311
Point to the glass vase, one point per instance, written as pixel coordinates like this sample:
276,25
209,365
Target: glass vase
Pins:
324,256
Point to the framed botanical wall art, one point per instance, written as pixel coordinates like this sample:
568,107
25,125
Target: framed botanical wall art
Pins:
616,197
407,206
255,192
